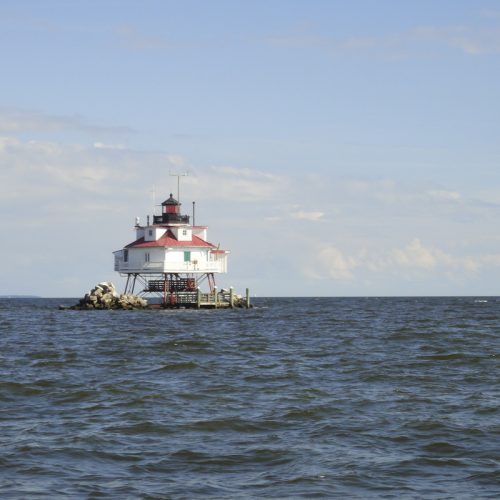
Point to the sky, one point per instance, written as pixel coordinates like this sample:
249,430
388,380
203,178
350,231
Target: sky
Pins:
336,148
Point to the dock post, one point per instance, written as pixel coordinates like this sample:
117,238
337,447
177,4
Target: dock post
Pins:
248,298
198,298
216,298
231,297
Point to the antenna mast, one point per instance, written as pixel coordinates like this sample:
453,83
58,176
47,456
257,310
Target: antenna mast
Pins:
185,174
153,199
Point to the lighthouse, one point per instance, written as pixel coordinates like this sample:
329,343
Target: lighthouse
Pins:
171,259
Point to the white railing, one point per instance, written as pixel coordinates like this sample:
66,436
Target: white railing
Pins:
165,267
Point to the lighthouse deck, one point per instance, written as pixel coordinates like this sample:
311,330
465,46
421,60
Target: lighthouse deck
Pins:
199,300
168,267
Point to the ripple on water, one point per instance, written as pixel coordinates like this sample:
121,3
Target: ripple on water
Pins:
331,398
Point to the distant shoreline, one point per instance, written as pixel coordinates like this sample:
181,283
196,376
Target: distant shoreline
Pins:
20,297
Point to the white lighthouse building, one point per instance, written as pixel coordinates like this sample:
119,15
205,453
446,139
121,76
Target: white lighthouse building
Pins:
170,258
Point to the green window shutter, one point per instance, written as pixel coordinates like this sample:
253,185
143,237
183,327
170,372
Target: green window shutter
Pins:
187,256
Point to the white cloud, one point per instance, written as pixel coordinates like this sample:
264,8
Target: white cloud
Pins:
309,216
491,260
243,172
227,183
471,40
41,169
17,120
443,195
177,160
102,145
8,142
364,186
415,255
388,192
273,219
331,261
75,183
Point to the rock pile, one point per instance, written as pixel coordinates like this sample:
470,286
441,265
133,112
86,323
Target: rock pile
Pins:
238,300
104,296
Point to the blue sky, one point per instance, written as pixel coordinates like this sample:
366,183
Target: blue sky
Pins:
335,147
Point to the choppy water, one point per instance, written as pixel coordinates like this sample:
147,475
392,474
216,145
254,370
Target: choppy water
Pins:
333,398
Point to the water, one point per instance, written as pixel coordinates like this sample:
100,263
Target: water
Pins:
332,398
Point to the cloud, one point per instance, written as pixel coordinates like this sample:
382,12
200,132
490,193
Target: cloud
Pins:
309,216
228,183
332,262
443,195
415,255
389,192
335,264
337,46
82,184
491,260
41,170
470,40
102,145
16,120
371,187
243,172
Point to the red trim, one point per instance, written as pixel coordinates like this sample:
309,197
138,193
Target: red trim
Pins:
168,240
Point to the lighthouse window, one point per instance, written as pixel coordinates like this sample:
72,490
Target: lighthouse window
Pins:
150,232
184,232
146,256
125,255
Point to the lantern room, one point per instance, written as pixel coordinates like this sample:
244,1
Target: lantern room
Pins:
171,213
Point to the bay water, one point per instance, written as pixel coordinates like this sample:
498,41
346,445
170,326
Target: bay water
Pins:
295,398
